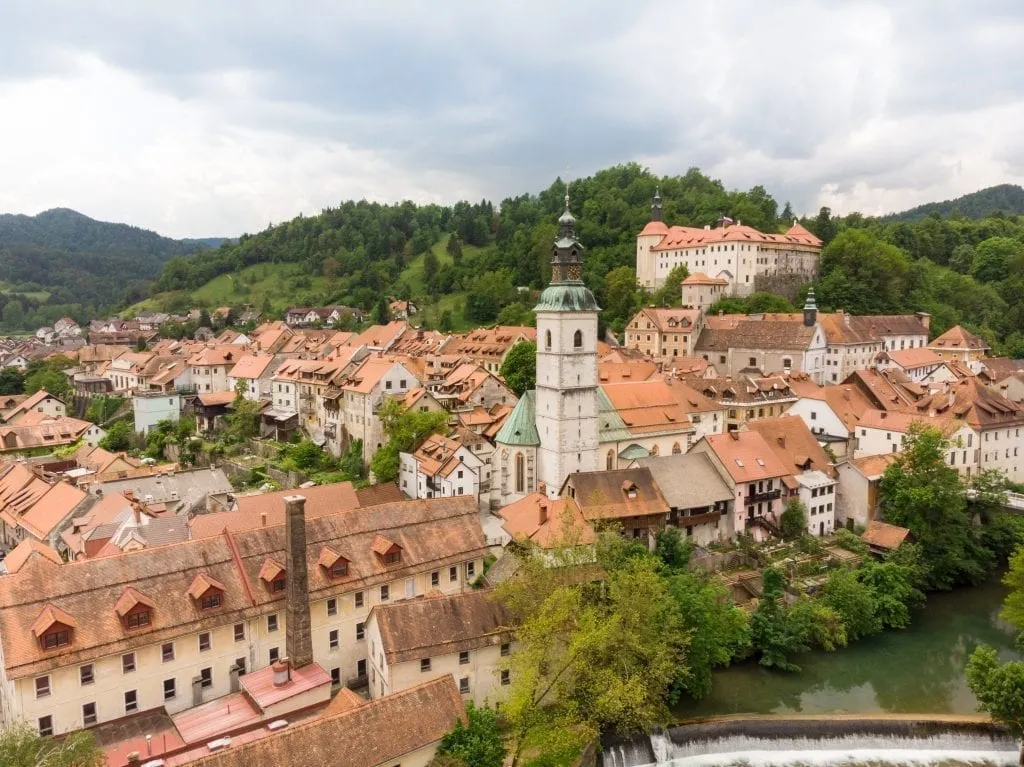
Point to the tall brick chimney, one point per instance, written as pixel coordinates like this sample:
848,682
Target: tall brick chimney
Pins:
298,639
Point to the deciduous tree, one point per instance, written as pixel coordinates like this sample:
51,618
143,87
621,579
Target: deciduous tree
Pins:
520,367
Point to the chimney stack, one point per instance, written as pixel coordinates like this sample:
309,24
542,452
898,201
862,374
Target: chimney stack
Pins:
543,509
298,638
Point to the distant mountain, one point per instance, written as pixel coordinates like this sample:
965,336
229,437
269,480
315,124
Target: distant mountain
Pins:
62,262
1004,198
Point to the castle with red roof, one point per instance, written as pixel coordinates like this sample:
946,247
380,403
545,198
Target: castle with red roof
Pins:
728,251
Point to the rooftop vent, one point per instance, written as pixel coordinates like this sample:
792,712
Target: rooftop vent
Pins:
217,745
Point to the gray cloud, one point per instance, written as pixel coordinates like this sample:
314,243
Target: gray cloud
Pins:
198,118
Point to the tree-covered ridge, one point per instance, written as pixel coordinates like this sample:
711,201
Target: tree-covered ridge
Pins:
1003,198
61,262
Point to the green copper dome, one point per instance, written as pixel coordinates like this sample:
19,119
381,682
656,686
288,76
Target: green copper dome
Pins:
567,297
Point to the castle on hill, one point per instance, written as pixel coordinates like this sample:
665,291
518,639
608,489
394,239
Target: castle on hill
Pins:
740,255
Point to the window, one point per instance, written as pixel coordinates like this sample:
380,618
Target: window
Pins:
361,668
505,676
506,649
170,689
470,569
272,622
435,578
752,361
42,686
56,639
137,620
393,558
204,641
239,632
360,631
520,473
277,585
464,685
609,460
387,384
339,569
206,677
240,666
85,675
401,384
131,701
332,606
464,657
547,339
424,664
274,654
46,726
127,663
335,677
385,593
88,714
210,601
359,599
577,339
332,639
167,652
453,574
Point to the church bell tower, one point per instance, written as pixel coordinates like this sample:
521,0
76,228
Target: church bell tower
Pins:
566,364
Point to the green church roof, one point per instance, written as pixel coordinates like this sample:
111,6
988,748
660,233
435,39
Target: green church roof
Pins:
567,297
520,428
633,452
610,426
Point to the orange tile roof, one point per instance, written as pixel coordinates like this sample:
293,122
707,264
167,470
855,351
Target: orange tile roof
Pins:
251,366
699,278
562,523
884,536
688,237
29,547
746,456
910,359
960,339
216,355
873,466
616,494
792,442
657,405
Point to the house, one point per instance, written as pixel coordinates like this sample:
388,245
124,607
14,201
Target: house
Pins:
152,407
747,396
427,713
754,474
738,254
362,392
183,493
210,409
379,338
37,432
858,489
41,402
402,310
225,611
812,478
738,344
488,346
702,292
855,341
463,636
663,333
961,345
883,538
440,466
700,502
831,413
918,365
33,508
256,372
629,499
469,385
209,368
546,523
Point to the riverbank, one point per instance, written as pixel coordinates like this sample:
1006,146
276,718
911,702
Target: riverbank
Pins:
919,669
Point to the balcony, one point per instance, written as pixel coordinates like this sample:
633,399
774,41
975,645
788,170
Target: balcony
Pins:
767,496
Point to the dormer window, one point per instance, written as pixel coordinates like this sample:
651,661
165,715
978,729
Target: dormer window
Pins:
135,609
335,565
389,552
206,592
629,488
53,628
273,574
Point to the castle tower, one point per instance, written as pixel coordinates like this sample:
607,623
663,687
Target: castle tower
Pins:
649,238
566,400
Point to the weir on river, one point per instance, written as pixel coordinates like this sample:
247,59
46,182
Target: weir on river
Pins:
918,671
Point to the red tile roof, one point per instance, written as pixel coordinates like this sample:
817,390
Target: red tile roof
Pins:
746,456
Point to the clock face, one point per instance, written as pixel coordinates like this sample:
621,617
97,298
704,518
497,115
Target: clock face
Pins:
574,272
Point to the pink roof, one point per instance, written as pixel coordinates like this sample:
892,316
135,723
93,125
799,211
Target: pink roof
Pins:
693,237
908,359
211,720
655,227
251,366
699,278
746,456
260,684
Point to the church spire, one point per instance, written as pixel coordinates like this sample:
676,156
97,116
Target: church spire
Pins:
567,256
656,211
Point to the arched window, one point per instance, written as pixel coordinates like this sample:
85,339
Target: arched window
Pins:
520,473
676,450
547,339
577,339
609,461
654,450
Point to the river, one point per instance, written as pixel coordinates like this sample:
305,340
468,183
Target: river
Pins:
917,670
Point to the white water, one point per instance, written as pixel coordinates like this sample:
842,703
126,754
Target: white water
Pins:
832,751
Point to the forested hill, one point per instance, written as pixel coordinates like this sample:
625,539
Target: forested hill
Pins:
467,264
61,262
1004,198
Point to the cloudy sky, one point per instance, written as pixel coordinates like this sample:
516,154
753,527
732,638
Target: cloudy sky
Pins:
199,117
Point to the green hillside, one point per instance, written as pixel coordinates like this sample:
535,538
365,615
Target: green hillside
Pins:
1004,198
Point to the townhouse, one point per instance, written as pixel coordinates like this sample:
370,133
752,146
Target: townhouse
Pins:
255,372
664,333
469,385
960,345
209,367
747,396
42,402
831,413
441,466
93,641
362,392
464,636
919,365
754,475
488,346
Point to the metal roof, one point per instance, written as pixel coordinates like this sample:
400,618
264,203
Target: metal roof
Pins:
520,428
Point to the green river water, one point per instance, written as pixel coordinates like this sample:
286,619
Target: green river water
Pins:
917,670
